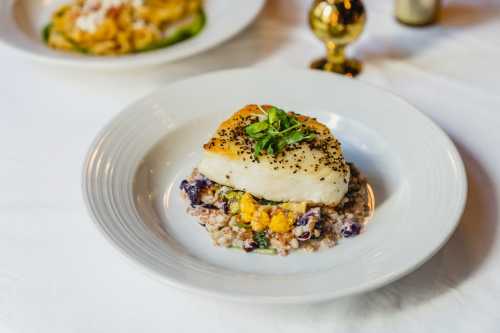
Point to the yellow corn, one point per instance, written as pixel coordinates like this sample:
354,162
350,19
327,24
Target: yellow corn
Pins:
247,207
295,207
260,220
280,223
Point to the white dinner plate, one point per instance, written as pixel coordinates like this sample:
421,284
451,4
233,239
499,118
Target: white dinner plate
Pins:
133,170
22,22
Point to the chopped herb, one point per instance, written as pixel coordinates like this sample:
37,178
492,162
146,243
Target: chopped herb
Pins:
277,131
268,202
261,239
244,226
234,207
233,195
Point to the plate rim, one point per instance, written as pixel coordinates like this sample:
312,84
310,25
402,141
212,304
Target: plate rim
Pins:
148,59
285,299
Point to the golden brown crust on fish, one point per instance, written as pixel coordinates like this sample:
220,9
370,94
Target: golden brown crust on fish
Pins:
232,142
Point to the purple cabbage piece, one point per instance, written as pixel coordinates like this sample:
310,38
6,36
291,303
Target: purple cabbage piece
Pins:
350,229
305,236
193,189
224,206
305,219
183,184
203,182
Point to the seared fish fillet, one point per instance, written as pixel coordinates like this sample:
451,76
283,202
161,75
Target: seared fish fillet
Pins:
313,171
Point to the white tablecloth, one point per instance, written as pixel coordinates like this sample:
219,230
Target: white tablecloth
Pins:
58,274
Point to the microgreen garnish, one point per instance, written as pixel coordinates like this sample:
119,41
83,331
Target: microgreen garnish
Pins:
277,131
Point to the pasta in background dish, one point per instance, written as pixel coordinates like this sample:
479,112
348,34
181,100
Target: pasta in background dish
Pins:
117,27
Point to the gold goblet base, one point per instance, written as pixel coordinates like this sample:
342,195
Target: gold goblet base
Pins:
350,67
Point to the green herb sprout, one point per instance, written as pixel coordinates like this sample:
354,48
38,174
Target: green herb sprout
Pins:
277,131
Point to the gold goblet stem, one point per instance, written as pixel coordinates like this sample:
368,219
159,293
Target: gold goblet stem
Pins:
337,23
335,53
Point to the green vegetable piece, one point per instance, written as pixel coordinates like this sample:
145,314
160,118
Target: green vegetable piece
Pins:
295,137
76,47
256,128
234,207
182,33
262,144
268,202
46,33
244,226
284,119
272,115
258,136
270,149
282,143
266,141
48,29
277,131
309,137
261,239
258,148
233,195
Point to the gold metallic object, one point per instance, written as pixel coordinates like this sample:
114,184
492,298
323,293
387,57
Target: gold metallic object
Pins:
417,12
337,23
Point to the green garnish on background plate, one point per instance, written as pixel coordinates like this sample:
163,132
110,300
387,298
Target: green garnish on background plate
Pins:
46,32
277,131
181,32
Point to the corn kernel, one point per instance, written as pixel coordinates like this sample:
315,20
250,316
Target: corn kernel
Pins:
264,218
247,207
257,226
300,207
280,223
260,220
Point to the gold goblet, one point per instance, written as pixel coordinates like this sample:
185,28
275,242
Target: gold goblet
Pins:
337,23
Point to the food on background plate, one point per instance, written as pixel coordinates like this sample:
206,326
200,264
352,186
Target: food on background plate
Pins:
271,182
117,27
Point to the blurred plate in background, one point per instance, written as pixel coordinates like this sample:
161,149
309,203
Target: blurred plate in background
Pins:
22,22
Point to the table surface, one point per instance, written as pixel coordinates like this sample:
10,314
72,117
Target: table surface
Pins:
58,274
